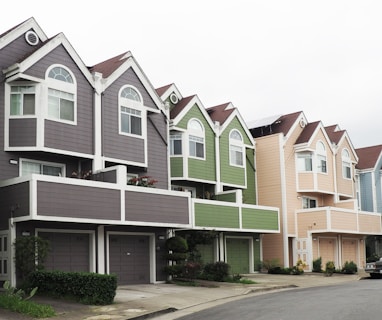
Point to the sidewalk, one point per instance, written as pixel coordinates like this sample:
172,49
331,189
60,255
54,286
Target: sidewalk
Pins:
169,301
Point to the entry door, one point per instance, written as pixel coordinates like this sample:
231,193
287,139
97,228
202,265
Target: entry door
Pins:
238,255
130,258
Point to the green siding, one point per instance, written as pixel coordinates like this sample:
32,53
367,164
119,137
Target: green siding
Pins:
238,255
201,169
176,166
259,219
231,174
209,215
249,194
206,252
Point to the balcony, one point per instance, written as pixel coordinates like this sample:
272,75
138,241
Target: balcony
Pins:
235,216
338,220
48,198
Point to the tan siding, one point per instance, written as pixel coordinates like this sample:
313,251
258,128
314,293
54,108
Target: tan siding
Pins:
310,221
344,220
369,223
344,186
305,181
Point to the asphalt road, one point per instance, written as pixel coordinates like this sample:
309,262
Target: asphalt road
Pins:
351,301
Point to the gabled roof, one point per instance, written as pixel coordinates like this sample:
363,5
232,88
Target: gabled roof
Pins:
221,112
308,132
163,89
109,66
334,133
368,157
182,104
280,125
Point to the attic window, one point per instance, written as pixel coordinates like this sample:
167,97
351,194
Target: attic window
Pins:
32,38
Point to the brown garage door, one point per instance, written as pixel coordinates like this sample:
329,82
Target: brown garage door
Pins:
349,250
130,258
67,251
327,250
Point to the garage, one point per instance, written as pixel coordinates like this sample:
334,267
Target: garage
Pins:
67,251
238,255
129,258
327,250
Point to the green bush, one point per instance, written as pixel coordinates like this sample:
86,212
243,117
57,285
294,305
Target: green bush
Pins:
87,288
28,307
330,268
177,244
349,267
317,265
216,271
373,258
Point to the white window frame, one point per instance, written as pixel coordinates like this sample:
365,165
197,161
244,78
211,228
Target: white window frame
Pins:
302,158
184,189
236,145
21,114
346,164
176,137
196,134
43,163
63,87
307,201
4,255
321,158
134,105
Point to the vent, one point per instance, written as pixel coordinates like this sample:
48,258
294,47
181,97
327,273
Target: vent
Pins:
302,123
174,98
32,38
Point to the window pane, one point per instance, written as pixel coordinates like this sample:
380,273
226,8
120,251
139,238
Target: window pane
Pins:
5,244
177,147
15,104
136,125
30,167
199,150
54,107
67,110
29,103
5,266
125,123
192,149
51,171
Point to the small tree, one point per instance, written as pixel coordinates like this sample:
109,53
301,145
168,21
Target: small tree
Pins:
317,265
177,253
30,255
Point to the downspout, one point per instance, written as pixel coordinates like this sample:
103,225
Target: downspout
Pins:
284,206
97,162
218,187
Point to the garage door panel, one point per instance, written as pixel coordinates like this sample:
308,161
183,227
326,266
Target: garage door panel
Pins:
238,255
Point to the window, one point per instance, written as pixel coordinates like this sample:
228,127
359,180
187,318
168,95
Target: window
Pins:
45,168
196,139
236,149
130,111
304,161
321,157
3,254
61,95
308,203
346,164
175,144
22,100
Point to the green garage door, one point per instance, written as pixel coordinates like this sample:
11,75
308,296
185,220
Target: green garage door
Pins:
238,255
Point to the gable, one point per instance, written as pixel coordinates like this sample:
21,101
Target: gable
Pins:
195,112
236,124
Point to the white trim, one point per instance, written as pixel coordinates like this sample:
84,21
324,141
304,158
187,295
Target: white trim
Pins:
152,253
47,163
284,206
92,242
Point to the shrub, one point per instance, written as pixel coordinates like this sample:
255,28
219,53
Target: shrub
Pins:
298,268
216,271
87,288
271,264
177,244
329,268
191,269
317,265
373,258
349,268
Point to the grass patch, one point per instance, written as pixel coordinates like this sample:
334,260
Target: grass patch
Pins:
30,308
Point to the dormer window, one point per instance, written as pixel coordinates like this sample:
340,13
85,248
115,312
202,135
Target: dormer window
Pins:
321,157
61,95
131,112
196,139
236,153
346,164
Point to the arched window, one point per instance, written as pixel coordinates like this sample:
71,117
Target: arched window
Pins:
346,164
61,94
321,157
196,138
130,111
236,149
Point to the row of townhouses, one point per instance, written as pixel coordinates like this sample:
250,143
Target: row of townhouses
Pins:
107,167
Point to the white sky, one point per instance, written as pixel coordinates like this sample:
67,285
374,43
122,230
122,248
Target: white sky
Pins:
266,57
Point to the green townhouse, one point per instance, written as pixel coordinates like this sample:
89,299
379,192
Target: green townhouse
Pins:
212,156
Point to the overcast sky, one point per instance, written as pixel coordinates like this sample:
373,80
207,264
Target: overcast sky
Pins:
266,57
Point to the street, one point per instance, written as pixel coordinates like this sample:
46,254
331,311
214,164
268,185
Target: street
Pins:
350,301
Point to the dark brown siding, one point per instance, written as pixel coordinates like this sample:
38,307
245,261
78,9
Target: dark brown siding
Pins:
63,136
116,145
64,200
156,208
22,132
